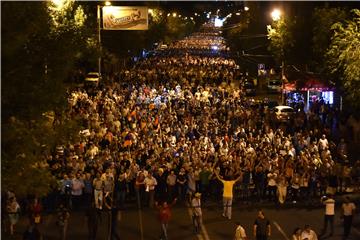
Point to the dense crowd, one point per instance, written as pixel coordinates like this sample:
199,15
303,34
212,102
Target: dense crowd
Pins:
164,128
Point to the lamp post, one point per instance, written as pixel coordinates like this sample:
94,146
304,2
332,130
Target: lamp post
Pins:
99,37
276,16
107,3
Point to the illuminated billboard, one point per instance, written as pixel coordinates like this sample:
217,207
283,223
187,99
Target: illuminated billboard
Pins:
125,18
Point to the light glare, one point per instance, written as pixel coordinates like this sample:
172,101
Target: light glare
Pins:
276,14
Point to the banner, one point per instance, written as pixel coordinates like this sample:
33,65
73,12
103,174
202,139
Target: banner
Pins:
125,18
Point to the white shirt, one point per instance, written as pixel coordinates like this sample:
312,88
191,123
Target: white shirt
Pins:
196,205
150,183
323,143
271,179
348,208
329,206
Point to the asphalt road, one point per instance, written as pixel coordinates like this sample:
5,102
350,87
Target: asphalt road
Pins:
284,220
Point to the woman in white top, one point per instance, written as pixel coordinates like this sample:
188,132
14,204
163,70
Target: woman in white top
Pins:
240,233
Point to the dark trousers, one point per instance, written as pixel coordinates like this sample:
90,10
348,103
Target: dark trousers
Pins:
261,237
347,225
171,192
204,189
328,219
272,193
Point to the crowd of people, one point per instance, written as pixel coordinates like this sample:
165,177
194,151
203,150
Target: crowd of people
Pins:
172,125
169,123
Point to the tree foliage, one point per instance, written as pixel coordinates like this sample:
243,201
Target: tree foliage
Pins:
40,46
323,19
344,56
281,38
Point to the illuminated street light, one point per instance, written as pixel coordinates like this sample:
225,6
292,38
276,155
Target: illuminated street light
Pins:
246,8
168,14
179,16
151,12
276,14
107,3
58,5
237,14
174,14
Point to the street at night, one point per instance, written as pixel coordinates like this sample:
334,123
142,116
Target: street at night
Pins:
180,120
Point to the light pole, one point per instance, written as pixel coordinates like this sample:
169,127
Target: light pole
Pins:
99,37
276,16
107,3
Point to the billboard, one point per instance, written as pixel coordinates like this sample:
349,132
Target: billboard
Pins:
125,18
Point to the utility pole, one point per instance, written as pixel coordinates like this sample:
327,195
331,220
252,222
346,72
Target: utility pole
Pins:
282,81
99,37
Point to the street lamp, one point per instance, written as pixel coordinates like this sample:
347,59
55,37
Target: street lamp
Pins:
276,14
246,8
99,7
151,11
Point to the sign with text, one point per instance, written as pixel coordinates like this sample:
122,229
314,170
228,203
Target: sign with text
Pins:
125,18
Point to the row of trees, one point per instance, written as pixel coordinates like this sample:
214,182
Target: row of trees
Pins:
43,45
326,42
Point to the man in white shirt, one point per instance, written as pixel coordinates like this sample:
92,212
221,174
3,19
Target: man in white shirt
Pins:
329,203
240,233
150,183
197,213
323,142
348,210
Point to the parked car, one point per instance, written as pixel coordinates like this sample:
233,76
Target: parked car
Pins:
283,113
93,77
274,86
250,89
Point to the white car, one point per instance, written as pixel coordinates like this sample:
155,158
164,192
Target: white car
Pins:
283,113
93,77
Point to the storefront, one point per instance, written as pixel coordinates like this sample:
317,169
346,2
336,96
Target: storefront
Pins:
310,93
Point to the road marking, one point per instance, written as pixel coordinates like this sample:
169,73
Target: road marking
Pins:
355,230
204,231
280,230
199,236
140,216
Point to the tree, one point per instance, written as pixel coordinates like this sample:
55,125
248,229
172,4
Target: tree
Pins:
323,19
41,44
344,56
281,38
